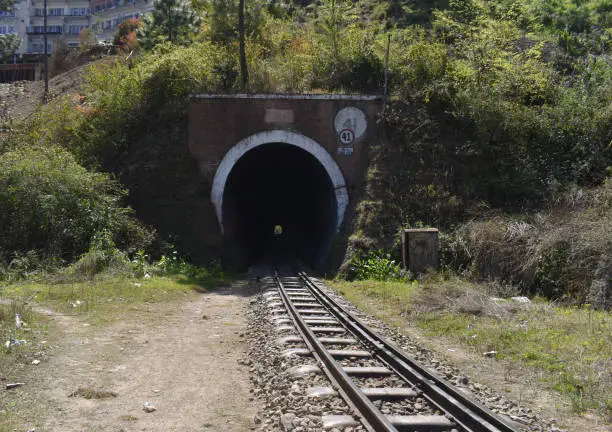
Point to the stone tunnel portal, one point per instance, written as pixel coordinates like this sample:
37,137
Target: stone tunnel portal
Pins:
279,177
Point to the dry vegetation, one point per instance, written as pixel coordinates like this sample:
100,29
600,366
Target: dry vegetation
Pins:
564,252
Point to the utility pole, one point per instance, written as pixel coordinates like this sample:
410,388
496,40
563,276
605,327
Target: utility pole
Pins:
386,88
241,30
46,60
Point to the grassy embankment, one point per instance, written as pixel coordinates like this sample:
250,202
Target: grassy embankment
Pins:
568,348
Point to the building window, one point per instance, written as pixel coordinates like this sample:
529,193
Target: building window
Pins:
55,11
75,29
50,29
79,11
7,29
39,47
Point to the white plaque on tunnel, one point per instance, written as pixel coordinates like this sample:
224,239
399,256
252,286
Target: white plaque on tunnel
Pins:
279,116
353,119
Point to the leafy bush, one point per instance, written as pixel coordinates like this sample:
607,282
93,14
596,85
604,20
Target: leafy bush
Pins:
102,256
377,266
50,204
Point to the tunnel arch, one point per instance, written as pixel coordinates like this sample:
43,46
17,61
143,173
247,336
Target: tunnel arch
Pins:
285,137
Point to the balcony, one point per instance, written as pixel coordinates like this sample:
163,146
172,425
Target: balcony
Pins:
39,14
38,30
76,17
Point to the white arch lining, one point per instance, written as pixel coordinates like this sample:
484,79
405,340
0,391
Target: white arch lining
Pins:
287,137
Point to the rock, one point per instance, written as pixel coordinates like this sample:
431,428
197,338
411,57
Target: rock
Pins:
35,362
148,407
286,422
256,419
520,299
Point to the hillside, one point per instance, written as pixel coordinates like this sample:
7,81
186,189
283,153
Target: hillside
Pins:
498,107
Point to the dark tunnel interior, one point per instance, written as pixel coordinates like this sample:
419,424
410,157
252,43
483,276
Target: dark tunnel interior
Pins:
279,184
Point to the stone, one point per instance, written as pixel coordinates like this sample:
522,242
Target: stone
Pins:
286,422
148,407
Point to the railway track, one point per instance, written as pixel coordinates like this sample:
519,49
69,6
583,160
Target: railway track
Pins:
377,380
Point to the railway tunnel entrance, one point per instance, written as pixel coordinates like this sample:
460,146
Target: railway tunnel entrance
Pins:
288,159
279,177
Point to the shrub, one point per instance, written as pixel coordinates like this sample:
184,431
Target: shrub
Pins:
50,204
102,256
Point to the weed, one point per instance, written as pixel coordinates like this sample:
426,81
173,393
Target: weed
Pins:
377,266
92,393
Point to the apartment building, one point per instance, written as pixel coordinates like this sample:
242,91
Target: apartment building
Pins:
65,20
108,14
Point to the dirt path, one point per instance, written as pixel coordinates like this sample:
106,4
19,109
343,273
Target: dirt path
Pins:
181,357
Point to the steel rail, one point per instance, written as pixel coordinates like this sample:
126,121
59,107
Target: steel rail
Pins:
372,417
469,414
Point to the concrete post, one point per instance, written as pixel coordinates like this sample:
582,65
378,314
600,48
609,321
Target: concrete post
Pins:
420,249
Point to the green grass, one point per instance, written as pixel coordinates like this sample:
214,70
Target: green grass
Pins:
104,297
570,348
34,327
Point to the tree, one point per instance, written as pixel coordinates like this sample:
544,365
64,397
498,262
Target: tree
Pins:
9,44
464,11
126,34
221,20
172,21
87,39
6,4
333,17
222,17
